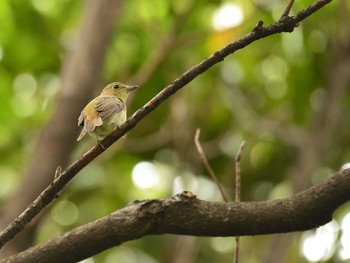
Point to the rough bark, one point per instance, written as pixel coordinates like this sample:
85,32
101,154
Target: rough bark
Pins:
184,214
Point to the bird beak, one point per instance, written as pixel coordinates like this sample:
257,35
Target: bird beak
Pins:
132,87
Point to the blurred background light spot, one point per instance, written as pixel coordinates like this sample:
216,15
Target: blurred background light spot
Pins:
202,187
274,68
50,84
24,109
276,89
227,16
68,38
293,46
145,175
318,245
43,5
48,229
221,244
65,213
184,182
230,143
344,251
260,154
24,103
207,189
317,41
232,71
24,86
46,7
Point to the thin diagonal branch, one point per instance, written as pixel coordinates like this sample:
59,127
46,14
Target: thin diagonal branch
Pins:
238,190
287,24
207,165
288,8
238,172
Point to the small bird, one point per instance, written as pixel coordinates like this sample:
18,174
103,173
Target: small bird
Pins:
106,112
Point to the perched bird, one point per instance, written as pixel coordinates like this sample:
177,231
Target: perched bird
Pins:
106,112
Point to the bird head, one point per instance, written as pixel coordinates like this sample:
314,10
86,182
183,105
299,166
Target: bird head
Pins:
119,90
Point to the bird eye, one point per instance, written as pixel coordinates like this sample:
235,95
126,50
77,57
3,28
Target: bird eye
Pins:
116,87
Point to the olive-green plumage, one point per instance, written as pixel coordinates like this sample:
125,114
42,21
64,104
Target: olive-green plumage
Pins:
106,112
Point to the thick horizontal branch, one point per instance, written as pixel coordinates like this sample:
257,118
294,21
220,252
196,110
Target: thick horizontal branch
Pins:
184,214
285,24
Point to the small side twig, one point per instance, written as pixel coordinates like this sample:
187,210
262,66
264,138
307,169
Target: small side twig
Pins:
258,27
238,189
238,173
207,165
58,172
288,8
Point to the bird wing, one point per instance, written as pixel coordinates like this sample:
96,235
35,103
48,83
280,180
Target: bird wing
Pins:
104,107
81,119
109,105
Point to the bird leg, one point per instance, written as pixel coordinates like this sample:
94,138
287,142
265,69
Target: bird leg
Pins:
99,143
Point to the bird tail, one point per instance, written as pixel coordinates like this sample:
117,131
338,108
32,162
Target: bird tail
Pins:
82,133
89,125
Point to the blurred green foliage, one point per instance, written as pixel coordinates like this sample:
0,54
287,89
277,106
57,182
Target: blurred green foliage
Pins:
274,83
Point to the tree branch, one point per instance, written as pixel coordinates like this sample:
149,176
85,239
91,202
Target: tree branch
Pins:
288,8
207,165
184,214
285,24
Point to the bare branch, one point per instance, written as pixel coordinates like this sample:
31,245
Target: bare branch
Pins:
184,214
238,188
286,24
288,8
207,165
238,173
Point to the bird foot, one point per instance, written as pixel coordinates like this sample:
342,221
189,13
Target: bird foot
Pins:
99,142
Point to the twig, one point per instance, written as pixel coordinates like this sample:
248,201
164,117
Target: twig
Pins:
288,8
238,189
238,173
207,165
68,174
58,171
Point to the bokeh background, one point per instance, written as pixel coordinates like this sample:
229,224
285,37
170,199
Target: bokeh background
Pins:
286,96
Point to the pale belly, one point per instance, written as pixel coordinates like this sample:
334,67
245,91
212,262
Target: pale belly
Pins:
109,125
